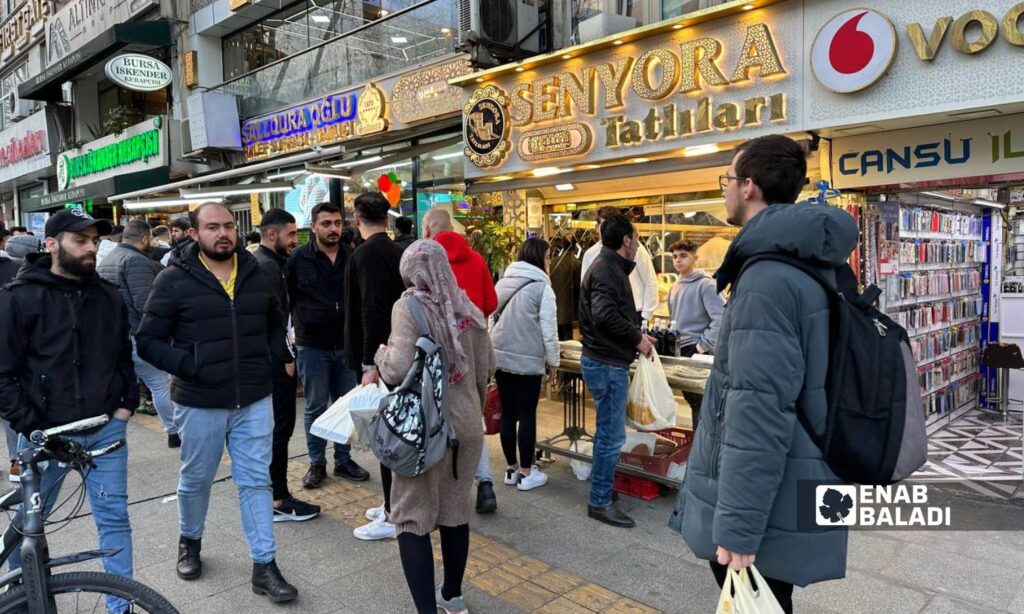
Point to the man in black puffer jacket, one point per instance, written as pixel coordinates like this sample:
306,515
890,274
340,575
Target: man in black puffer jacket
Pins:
64,357
212,322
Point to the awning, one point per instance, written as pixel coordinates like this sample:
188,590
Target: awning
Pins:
135,36
99,190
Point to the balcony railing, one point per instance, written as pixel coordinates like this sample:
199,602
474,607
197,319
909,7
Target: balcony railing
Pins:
406,37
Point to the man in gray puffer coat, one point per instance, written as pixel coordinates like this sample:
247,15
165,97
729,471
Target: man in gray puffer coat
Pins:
129,267
739,501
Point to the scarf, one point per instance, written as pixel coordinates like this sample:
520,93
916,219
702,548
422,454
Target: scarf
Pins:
430,280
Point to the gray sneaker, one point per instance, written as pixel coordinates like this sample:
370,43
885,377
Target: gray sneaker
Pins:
455,605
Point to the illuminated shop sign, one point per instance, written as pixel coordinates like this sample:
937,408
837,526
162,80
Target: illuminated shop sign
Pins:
326,121
672,90
140,147
23,27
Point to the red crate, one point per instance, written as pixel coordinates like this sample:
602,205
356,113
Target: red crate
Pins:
633,486
658,463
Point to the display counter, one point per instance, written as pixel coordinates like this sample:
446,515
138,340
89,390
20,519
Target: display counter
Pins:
683,374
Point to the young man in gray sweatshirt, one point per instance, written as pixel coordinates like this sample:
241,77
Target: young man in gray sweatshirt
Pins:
695,309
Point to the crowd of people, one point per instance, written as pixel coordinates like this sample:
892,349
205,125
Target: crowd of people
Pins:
222,336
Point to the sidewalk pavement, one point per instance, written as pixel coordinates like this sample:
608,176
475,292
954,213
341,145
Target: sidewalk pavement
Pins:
538,553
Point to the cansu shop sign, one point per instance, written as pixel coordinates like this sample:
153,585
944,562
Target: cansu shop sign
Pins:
666,91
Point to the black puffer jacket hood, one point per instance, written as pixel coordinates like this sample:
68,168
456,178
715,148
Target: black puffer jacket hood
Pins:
64,352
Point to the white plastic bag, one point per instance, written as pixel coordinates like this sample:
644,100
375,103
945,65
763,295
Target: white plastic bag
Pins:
651,406
336,423
740,597
582,469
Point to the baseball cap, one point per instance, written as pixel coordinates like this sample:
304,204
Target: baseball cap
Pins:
75,220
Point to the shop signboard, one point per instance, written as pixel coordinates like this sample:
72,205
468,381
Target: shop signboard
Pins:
720,80
24,26
80,21
372,108
25,147
138,72
982,148
138,148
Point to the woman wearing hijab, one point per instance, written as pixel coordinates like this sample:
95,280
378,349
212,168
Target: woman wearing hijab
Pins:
435,498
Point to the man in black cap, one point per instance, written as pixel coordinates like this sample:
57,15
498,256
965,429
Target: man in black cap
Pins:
65,356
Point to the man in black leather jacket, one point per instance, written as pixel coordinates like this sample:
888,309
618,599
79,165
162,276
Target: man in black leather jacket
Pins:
610,334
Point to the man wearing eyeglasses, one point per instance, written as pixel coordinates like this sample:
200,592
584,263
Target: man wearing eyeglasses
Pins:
738,502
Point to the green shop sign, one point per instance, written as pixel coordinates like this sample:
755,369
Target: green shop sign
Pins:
137,148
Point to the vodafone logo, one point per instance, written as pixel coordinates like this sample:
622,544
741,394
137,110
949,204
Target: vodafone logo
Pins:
853,50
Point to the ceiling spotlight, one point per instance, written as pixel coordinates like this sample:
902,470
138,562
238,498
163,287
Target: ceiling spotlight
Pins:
700,150
346,188
640,160
446,30
479,79
565,187
321,18
520,69
546,171
677,26
618,42
748,7
383,13
566,56
399,40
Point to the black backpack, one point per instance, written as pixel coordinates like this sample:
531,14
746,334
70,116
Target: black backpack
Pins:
875,431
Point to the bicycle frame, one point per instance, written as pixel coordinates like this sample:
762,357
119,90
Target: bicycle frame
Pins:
27,530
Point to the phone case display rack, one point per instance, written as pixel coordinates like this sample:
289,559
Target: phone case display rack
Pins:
928,261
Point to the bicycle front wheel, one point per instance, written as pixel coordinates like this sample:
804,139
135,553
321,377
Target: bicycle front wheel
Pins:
86,591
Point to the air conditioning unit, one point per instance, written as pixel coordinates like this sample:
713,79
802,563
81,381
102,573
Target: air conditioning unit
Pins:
501,24
15,108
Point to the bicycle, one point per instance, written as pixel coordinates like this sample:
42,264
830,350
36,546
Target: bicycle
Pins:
33,588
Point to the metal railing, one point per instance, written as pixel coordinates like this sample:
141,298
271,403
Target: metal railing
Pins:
409,36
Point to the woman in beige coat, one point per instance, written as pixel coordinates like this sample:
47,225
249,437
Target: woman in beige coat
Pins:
436,498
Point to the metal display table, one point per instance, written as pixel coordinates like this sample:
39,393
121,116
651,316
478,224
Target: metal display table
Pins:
683,374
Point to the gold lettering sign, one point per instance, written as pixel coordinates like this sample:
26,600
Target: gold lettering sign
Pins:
372,111
190,69
699,63
989,30
927,49
234,5
758,52
1012,25
25,25
555,142
425,94
647,64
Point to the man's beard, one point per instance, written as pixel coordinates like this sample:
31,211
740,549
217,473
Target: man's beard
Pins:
329,239
282,249
213,254
83,266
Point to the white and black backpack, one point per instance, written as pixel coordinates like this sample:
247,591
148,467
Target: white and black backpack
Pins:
411,432
875,429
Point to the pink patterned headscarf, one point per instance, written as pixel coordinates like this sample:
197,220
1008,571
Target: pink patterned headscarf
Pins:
429,277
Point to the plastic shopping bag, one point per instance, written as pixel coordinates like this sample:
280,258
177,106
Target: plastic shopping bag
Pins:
582,469
336,424
740,597
651,405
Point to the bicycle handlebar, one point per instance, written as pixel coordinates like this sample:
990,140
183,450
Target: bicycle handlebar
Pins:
39,437
69,451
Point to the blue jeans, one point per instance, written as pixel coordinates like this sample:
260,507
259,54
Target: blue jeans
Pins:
325,378
609,385
249,433
159,384
12,438
107,487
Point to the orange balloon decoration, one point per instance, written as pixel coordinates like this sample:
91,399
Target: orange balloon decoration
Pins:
394,194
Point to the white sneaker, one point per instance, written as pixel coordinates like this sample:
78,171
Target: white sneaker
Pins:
374,513
536,479
377,529
512,477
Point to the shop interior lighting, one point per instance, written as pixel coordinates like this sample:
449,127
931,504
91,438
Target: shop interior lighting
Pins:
286,174
565,187
984,202
501,177
546,171
357,162
703,203
446,31
447,156
748,7
321,18
197,194
700,150
619,42
677,26
346,188
166,202
326,172
567,56
479,79
520,69
399,40
640,160
393,166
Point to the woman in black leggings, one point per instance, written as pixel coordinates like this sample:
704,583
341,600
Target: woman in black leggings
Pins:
525,338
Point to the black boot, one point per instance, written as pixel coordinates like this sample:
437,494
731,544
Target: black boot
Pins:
190,567
486,502
611,515
267,580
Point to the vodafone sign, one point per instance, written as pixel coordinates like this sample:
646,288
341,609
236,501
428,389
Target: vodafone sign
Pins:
853,50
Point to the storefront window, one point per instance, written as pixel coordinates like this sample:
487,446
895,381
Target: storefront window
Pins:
133,107
298,27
